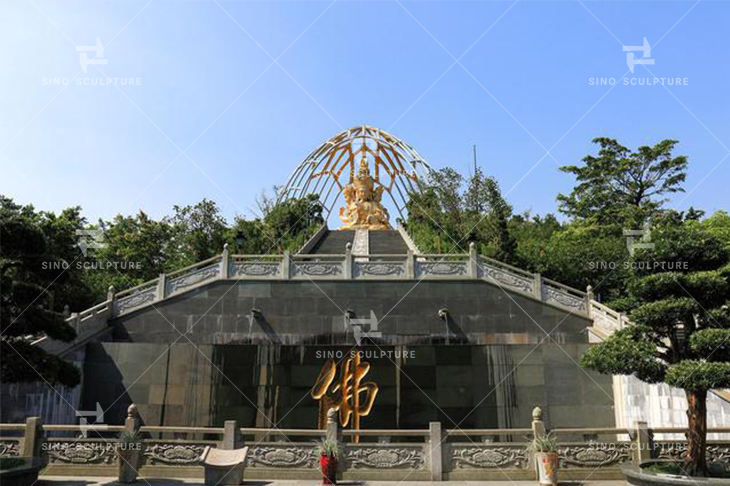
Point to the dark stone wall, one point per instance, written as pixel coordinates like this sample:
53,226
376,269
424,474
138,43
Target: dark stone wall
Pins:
303,312
472,386
201,358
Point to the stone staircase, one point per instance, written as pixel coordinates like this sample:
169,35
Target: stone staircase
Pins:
387,242
333,242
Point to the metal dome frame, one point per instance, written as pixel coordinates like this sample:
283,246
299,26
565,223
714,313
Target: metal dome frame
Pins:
395,164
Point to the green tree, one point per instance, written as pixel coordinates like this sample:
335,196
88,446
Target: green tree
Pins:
285,225
679,292
452,209
28,269
199,231
137,249
619,185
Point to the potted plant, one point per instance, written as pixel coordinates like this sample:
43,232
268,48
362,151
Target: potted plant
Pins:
129,453
545,451
329,454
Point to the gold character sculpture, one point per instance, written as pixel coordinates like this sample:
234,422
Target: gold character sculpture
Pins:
363,208
344,394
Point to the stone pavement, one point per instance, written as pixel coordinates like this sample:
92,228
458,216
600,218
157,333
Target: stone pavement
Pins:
109,481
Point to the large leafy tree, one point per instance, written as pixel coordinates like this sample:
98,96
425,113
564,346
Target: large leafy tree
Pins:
621,185
30,266
285,225
136,249
199,231
680,324
452,208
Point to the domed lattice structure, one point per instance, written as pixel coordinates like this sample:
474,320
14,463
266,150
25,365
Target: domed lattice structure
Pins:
395,166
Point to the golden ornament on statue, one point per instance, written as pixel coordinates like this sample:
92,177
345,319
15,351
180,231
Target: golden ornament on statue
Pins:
363,208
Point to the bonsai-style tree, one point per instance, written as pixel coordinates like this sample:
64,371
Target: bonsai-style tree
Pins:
680,323
26,301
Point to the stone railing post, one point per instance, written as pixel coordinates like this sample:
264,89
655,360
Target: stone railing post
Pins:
33,438
348,261
435,451
231,435
410,265
333,432
538,286
132,424
643,442
76,322
111,298
225,258
589,299
473,267
621,319
538,426
538,432
161,286
286,265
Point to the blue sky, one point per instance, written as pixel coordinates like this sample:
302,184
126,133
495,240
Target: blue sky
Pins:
205,82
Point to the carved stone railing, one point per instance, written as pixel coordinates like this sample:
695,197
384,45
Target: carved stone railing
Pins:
349,266
425,454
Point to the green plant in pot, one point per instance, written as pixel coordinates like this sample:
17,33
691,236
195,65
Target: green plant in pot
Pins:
129,454
545,451
329,455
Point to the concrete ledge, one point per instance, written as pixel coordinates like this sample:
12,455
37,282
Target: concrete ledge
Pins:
24,475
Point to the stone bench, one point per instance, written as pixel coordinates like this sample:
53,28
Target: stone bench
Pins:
223,467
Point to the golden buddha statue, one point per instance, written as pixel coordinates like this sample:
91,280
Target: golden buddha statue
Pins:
363,209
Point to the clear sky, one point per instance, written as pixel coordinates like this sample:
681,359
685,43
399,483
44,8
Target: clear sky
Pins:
208,86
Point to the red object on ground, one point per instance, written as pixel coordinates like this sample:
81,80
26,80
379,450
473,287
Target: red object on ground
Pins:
328,466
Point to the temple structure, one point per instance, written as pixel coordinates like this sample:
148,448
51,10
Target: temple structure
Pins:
359,320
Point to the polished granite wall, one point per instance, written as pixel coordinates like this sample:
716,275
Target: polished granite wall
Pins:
303,312
469,385
203,357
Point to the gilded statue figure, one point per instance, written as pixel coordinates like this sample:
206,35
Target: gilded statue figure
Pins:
363,207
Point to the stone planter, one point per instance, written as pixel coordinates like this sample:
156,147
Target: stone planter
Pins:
639,476
547,466
129,462
23,475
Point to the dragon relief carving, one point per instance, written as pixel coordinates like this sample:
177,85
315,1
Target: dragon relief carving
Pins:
81,452
372,458
257,269
9,447
318,269
590,456
136,299
174,454
179,283
442,268
379,269
489,457
286,457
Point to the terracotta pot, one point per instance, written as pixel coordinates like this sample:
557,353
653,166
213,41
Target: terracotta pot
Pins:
328,466
547,466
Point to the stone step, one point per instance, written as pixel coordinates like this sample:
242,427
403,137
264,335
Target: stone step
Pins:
334,242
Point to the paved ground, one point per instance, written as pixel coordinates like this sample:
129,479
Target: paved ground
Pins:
106,481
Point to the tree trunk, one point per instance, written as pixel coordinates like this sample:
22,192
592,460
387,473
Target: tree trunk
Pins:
694,462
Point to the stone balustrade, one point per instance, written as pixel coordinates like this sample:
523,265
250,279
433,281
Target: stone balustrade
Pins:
434,454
